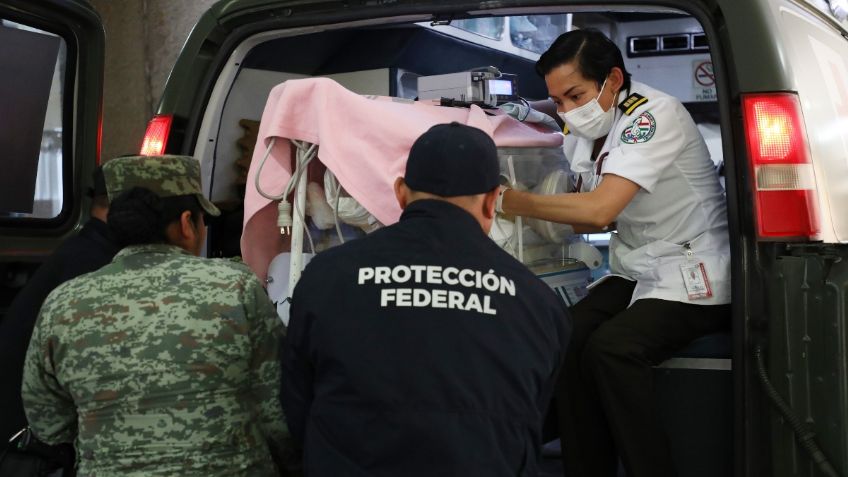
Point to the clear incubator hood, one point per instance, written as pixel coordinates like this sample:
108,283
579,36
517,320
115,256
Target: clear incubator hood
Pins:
542,246
542,170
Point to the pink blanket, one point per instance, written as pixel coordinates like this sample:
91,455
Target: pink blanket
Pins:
363,140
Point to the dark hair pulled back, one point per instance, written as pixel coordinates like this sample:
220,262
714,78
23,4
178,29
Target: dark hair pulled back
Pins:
139,216
595,54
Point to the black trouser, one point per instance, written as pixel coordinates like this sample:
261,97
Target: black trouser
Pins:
605,394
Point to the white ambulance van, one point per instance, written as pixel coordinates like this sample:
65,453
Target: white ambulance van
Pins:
766,81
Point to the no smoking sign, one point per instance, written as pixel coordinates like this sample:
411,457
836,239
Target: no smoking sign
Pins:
703,81
703,74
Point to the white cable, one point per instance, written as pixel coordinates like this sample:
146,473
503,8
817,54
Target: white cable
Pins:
259,171
331,184
336,212
305,226
298,185
284,221
310,154
302,159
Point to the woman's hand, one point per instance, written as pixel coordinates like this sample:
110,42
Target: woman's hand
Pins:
595,210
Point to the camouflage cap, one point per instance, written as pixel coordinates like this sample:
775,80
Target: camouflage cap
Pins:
166,176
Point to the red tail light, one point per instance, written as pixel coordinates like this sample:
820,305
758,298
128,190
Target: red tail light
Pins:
98,159
156,136
784,182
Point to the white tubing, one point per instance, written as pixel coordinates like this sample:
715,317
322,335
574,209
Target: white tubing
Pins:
259,171
296,266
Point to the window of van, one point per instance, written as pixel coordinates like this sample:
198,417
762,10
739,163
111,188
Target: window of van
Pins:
487,27
32,103
532,33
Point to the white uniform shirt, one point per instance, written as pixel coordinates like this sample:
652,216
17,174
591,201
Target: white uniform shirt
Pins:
680,200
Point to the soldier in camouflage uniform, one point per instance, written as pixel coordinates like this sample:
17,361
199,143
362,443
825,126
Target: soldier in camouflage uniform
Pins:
160,363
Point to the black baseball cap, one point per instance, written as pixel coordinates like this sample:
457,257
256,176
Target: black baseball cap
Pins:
452,160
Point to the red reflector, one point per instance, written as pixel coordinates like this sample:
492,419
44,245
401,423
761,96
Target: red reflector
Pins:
787,213
783,176
156,136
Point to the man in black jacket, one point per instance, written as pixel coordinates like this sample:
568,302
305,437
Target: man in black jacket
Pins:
87,251
424,349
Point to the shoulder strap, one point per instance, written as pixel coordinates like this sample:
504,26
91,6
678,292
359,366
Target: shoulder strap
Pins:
632,102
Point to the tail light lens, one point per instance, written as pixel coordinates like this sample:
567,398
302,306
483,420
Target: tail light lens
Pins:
156,136
784,181
98,159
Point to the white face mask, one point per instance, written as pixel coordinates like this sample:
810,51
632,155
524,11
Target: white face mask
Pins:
590,121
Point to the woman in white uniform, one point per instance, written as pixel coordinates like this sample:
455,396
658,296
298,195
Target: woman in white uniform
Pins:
644,170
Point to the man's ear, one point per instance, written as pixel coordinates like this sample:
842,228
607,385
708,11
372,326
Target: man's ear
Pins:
182,232
188,229
489,202
401,192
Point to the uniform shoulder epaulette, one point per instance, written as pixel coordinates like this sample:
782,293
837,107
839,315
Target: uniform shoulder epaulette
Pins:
632,102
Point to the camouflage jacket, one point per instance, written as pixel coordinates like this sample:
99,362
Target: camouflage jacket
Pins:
159,363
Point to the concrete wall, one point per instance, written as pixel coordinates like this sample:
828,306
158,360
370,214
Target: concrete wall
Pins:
143,39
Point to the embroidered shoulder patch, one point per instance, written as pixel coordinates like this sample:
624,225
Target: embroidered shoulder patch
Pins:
640,130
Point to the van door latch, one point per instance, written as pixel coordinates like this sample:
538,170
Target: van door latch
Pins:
441,20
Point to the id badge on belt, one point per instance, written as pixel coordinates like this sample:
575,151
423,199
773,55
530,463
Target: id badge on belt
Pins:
695,277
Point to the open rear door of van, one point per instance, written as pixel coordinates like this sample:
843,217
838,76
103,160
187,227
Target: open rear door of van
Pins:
51,82
51,77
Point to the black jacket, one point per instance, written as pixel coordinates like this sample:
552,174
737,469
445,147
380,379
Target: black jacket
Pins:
457,385
87,251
